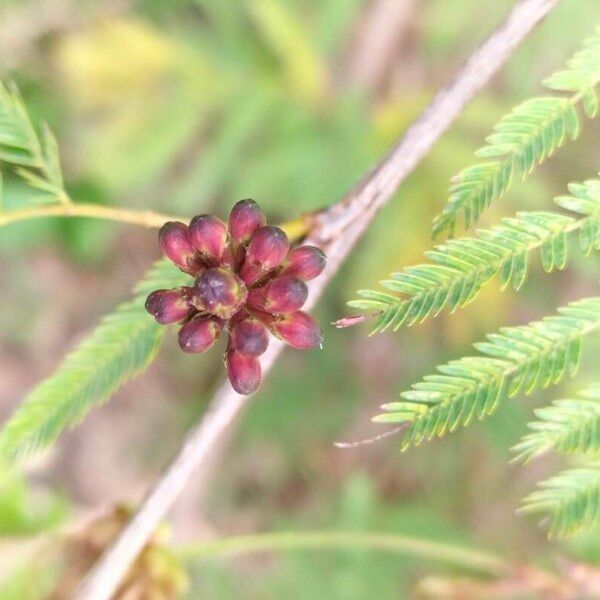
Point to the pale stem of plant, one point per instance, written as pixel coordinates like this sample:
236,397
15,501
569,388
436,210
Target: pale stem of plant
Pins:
144,218
464,558
336,230
295,229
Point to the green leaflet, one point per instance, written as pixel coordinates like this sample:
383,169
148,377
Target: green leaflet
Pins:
524,138
122,345
460,267
571,500
568,426
515,360
35,158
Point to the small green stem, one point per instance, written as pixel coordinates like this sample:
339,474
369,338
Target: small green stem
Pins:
471,560
96,211
296,229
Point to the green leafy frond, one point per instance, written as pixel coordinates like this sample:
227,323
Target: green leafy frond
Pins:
460,267
122,345
524,138
515,360
581,74
585,200
569,426
33,156
570,501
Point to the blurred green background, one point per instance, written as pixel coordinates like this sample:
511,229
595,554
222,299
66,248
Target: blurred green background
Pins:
187,106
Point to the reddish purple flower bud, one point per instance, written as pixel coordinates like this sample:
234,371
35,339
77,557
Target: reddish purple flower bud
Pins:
220,292
266,250
174,243
249,337
169,306
299,330
245,218
244,372
199,334
304,262
208,235
283,295
246,281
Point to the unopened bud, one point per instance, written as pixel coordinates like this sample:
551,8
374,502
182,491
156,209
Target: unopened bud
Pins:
169,306
299,330
249,337
266,250
174,243
245,218
208,236
199,334
244,372
305,262
283,295
220,292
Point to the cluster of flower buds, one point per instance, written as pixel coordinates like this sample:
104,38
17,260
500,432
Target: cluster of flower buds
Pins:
247,281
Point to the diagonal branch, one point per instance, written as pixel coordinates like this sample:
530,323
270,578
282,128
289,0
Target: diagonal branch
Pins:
336,230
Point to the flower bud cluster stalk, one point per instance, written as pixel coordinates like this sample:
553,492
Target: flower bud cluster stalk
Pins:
246,281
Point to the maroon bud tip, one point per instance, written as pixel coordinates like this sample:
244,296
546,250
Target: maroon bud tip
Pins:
175,245
245,218
268,247
199,334
299,330
169,306
220,292
285,295
244,372
208,235
249,337
305,262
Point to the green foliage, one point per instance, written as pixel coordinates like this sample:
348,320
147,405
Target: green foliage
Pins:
460,267
585,200
23,510
35,158
516,360
524,138
570,500
519,359
122,345
567,426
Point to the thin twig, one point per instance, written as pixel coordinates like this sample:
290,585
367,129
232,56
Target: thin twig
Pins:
295,229
336,230
464,558
375,438
145,218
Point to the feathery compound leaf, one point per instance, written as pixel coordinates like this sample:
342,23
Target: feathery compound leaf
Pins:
567,426
122,345
524,138
581,74
461,267
585,200
570,501
35,158
517,360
